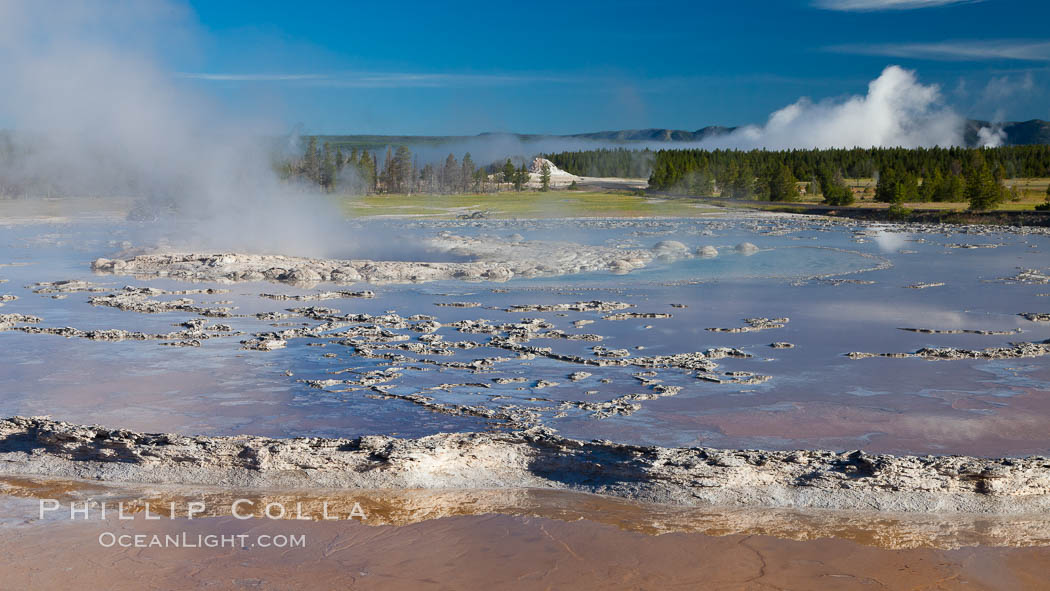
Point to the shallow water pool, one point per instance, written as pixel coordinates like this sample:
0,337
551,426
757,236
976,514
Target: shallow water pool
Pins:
841,287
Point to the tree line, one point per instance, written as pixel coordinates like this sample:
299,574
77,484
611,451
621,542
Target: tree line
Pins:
979,181
903,175
666,168
619,162
400,172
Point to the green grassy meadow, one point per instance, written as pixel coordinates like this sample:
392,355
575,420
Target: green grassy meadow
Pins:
525,204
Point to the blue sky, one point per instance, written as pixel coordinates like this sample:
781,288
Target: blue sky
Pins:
443,68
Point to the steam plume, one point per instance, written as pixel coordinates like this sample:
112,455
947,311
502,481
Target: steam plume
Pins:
896,111
96,113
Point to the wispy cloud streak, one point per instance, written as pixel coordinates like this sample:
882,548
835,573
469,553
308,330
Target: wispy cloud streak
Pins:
248,77
873,5
378,79
959,50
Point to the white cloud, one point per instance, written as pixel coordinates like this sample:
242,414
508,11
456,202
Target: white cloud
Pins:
959,50
872,5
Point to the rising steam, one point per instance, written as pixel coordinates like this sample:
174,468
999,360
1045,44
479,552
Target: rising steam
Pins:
897,111
94,114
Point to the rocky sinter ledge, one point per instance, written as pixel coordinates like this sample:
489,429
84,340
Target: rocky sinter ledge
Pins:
495,259
534,458
1011,351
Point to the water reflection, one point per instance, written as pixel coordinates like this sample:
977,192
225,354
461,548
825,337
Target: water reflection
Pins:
815,398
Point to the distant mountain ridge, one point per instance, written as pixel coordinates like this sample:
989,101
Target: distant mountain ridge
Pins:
1017,133
656,135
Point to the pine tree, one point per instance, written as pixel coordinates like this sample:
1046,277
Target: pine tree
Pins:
781,185
1045,205
403,173
450,175
328,168
932,186
520,177
699,182
366,167
466,173
845,193
429,177
545,177
954,188
736,183
835,190
373,169
508,171
887,189
311,164
982,190
388,175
